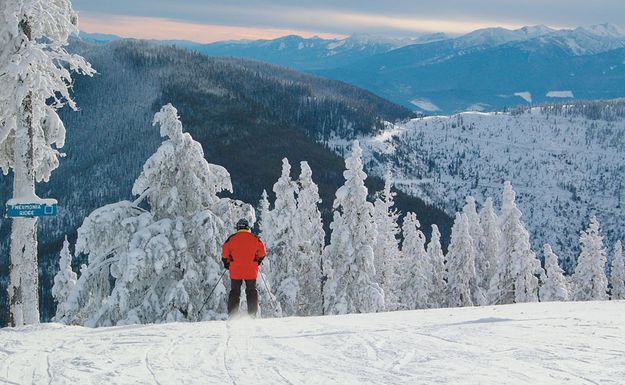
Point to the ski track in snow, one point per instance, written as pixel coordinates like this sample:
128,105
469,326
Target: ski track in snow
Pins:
547,343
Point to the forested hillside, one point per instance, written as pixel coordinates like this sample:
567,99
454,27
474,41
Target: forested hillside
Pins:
566,162
247,115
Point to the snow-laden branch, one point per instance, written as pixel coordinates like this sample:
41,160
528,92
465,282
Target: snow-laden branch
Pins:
36,66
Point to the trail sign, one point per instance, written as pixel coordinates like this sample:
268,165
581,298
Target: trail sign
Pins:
31,208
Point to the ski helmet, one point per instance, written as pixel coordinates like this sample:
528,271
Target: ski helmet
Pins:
243,224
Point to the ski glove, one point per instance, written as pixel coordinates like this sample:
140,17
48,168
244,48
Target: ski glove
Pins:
226,263
260,260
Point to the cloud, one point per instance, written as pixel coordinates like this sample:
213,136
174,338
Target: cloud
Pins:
397,17
167,29
360,21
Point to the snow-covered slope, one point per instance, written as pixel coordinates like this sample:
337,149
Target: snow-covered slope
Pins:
547,343
563,165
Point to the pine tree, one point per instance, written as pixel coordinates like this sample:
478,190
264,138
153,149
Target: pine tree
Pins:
35,70
460,265
589,281
64,281
618,273
386,247
489,243
263,208
415,287
165,260
481,263
310,240
348,259
280,243
515,277
268,304
437,262
555,287
177,180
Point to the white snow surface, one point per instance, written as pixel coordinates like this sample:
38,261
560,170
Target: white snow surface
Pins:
425,105
560,94
526,95
539,343
31,200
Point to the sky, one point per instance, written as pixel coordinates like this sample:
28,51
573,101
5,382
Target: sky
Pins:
215,20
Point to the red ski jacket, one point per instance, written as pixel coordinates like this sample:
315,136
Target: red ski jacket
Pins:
243,250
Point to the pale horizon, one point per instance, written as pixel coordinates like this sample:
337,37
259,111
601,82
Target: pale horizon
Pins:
222,20
169,29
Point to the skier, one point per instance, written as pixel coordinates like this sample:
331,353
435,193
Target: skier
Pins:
242,254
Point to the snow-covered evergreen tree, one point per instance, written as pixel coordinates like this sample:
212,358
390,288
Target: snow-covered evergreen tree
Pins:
461,277
35,70
309,243
177,180
348,259
617,277
436,260
64,281
268,304
515,276
386,247
263,208
163,262
555,287
489,243
590,282
416,271
481,263
279,233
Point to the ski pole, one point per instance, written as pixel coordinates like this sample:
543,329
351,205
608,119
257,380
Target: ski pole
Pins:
275,307
211,293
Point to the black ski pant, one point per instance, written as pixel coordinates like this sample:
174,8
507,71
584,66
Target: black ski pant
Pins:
250,293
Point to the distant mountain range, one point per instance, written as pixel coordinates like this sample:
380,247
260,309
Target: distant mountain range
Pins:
496,68
293,51
488,69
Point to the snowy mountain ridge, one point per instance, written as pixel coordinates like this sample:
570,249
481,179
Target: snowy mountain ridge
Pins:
539,343
481,70
484,69
499,35
582,40
565,163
